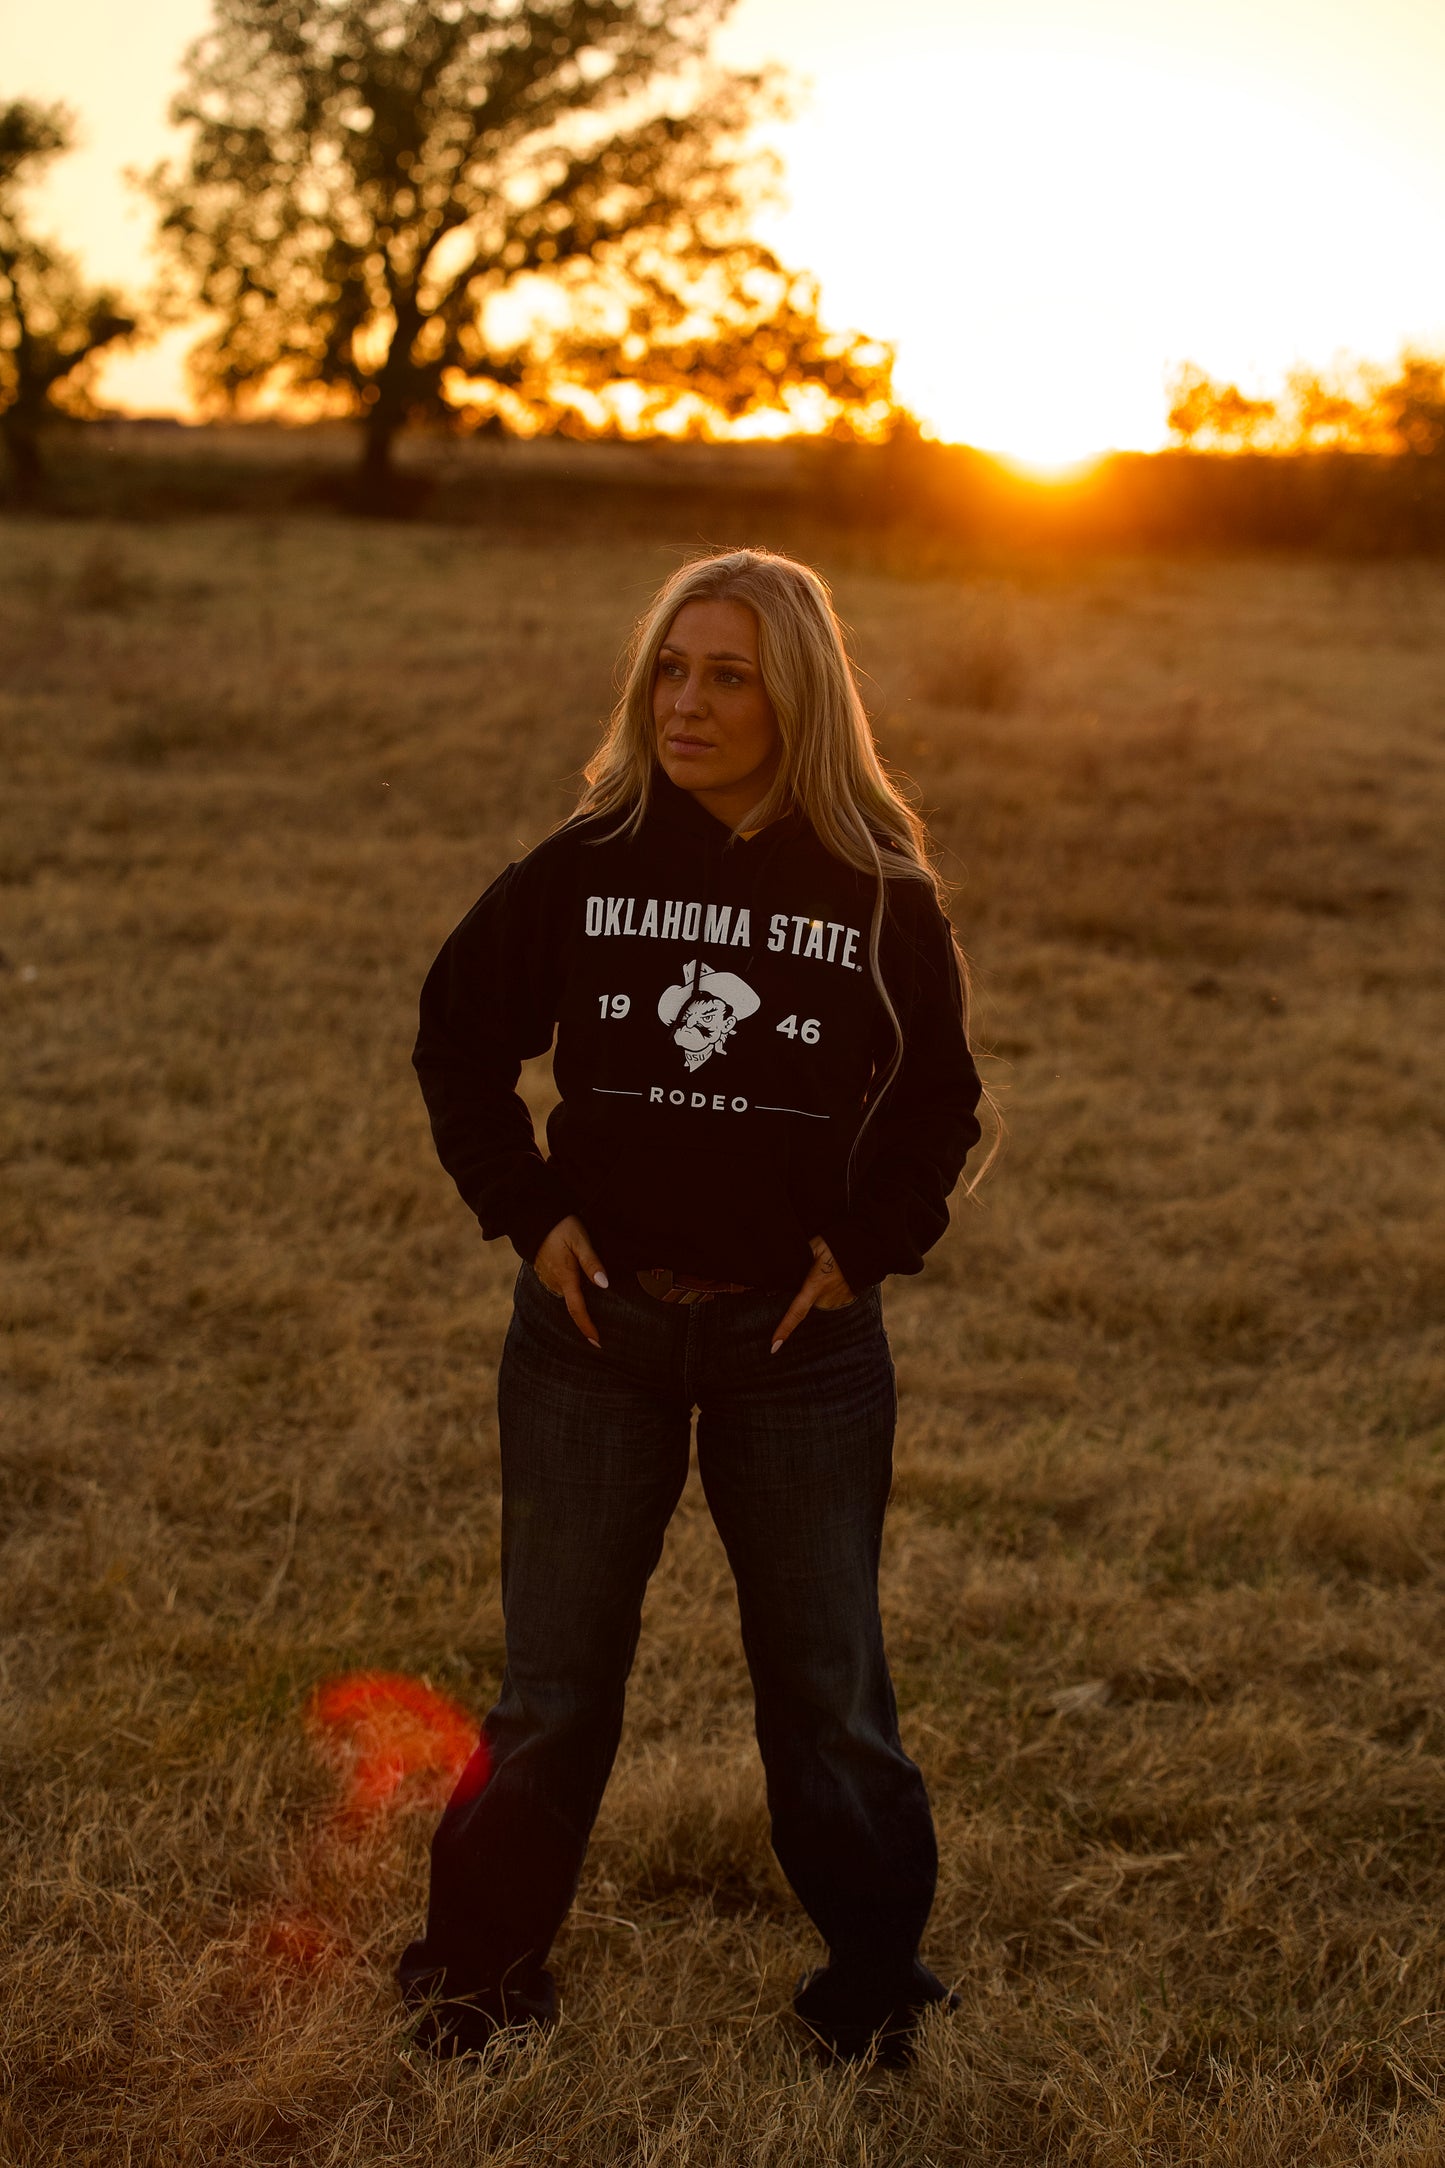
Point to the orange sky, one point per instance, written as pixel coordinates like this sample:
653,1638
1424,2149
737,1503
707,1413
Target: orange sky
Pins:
1046,203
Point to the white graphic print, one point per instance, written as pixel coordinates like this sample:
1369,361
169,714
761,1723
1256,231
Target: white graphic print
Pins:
706,1007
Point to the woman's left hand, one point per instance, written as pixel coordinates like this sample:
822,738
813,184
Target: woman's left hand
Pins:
824,1287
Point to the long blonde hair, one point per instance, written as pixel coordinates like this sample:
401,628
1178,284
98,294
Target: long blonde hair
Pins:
830,770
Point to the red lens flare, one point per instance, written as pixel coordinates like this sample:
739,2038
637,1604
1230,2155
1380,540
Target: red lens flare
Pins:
386,1737
383,1732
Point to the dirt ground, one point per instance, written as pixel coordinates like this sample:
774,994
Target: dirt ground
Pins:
1165,1554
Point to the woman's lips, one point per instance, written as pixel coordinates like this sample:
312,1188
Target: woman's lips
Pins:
690,745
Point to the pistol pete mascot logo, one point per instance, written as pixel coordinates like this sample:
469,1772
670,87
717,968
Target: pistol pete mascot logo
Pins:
706,1009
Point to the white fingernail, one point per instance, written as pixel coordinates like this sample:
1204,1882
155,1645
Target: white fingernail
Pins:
600,1278
775,1346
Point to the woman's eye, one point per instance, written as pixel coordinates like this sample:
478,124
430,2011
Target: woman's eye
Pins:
728,677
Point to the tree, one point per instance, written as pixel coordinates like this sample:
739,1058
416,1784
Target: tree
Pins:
52,325
368,179
1357,407
1203,411
1411,405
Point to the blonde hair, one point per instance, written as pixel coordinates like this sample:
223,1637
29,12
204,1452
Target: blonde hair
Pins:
830,770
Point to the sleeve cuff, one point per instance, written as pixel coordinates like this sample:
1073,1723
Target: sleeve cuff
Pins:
529,1226
862,1261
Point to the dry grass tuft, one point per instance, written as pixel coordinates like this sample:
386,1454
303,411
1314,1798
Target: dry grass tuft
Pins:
973,657
105,578
1164,1562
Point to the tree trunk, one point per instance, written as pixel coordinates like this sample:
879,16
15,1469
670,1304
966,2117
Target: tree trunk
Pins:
378,478
22,448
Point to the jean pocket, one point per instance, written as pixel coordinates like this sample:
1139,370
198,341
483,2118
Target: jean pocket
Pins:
865,1299
531,1274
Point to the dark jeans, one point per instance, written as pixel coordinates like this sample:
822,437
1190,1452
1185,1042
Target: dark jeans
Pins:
795,1454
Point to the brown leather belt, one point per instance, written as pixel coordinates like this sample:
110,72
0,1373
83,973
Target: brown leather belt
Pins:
669,1286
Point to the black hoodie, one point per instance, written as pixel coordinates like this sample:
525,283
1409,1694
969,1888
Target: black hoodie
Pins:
718,1035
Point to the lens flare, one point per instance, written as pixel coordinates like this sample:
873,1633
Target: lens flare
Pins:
389,1740
384,1734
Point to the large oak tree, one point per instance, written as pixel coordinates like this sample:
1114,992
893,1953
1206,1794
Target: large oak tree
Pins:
367,178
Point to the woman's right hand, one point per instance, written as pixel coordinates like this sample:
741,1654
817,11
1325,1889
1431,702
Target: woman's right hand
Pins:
560,1264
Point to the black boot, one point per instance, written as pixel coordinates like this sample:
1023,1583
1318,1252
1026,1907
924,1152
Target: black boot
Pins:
450,2024
852,2016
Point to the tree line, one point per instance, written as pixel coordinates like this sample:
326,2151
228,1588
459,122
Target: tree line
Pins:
515,214
1354,408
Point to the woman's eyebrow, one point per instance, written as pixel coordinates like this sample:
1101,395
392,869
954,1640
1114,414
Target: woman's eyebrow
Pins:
713,654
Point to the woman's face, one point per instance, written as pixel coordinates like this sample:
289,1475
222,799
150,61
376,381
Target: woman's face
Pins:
717,735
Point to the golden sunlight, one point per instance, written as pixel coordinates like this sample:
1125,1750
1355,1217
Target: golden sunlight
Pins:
1045,232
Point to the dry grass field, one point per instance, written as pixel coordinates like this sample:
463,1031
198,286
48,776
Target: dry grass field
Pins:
1165,1562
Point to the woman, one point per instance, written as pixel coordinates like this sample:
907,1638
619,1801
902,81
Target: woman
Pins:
766,1098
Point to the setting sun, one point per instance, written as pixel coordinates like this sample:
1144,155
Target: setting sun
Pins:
1048,231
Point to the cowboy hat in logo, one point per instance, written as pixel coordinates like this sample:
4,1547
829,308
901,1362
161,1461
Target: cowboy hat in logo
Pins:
707,1008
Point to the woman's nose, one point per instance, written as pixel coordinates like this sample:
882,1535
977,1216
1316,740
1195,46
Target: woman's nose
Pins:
689,700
